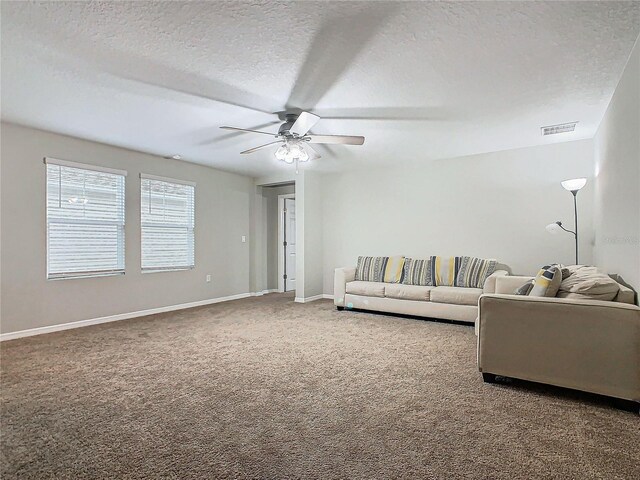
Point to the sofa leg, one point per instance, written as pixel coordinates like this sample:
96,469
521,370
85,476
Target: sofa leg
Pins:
488,377
340,308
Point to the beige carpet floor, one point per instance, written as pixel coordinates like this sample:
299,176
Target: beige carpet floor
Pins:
264,388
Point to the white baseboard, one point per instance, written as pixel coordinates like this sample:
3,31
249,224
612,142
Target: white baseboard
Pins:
141,313
327,296
264,292
122,316
310,299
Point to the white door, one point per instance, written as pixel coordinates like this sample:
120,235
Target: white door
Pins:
289,244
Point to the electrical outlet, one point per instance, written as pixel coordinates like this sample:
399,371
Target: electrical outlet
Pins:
208,278
244,239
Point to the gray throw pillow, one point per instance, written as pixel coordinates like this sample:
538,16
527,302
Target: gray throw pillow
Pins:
524,289
566,272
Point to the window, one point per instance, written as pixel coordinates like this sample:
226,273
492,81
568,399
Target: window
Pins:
167,218
85,220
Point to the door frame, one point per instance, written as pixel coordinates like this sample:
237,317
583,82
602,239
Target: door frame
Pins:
281,239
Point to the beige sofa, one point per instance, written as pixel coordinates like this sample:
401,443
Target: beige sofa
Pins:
450,303
586,345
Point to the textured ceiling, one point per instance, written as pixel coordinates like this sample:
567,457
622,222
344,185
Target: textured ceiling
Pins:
421,80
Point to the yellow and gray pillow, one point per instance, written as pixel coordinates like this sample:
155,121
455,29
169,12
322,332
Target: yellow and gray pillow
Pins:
547,282
380,269
448,271
444,270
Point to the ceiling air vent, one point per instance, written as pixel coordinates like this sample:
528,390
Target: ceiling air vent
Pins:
561,128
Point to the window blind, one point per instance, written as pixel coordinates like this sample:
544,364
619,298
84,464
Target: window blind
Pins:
85,220
167,220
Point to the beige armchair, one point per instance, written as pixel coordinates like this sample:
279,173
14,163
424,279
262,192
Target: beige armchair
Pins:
586,345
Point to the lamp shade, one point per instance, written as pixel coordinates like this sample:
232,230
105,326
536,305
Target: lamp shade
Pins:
574,184
553,228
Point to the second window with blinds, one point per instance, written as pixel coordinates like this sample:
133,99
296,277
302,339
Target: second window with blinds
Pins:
167,219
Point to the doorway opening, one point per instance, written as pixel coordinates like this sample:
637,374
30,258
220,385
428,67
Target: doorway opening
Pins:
286,242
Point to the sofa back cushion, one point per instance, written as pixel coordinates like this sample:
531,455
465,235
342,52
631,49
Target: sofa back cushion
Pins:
417,272
474,271
380,269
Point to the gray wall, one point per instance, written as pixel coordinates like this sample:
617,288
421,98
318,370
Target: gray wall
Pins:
311,248
617,195
494,205
29,300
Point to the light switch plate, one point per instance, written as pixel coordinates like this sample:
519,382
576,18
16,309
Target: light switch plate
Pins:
244,239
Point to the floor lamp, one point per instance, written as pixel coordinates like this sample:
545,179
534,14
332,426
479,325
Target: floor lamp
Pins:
574,185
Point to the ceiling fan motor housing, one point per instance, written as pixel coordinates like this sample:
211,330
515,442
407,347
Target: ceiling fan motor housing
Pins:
286,126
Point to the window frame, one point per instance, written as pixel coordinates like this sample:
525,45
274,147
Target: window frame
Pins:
175,181
87,273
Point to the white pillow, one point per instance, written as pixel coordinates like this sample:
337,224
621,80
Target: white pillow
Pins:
588,283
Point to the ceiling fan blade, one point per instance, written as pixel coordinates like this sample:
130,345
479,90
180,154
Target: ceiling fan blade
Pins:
234,133
313,153
251,150
248,130
332,51
338,139
304,123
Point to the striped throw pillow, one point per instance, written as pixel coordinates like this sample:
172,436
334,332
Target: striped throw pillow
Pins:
380,269
444,270
474,271
417,272
393,269
371,269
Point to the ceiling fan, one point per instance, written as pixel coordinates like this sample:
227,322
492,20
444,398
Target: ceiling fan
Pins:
295,141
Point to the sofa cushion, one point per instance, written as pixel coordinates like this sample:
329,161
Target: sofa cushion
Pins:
369,289
456,295
407,292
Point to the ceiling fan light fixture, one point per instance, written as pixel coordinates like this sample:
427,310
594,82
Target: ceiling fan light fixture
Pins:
304,156
290,152
282,151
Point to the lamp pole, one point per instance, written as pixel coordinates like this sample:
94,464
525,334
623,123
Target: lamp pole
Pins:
574,185
575,219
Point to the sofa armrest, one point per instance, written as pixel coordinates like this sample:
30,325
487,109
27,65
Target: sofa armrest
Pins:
625,295
340,279
583,344
490,282
509,284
